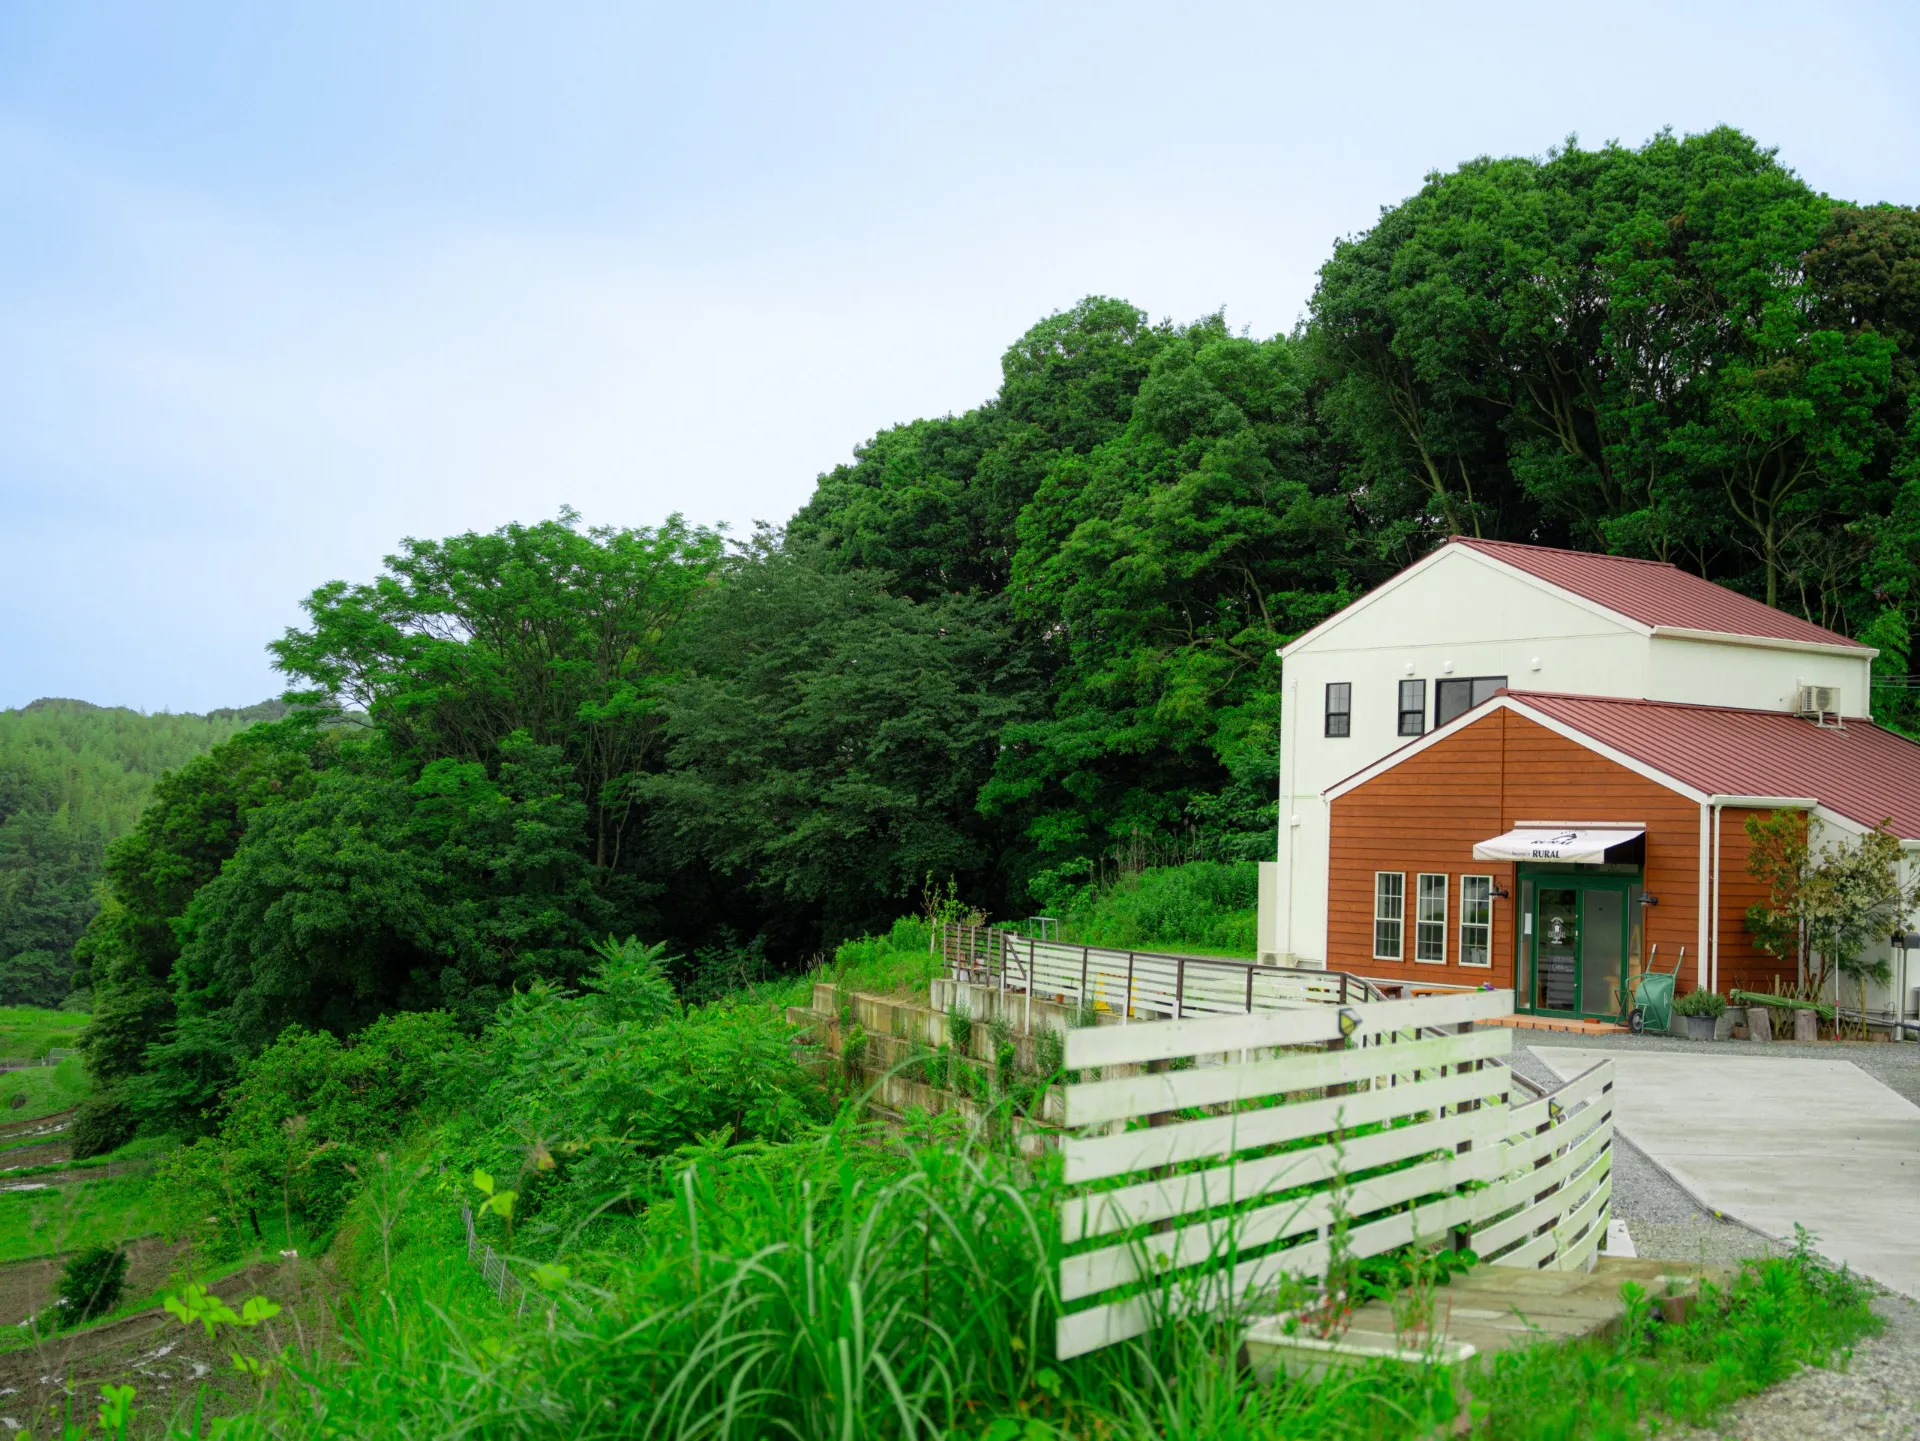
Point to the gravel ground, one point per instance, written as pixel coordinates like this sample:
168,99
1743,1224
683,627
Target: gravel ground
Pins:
1876,1392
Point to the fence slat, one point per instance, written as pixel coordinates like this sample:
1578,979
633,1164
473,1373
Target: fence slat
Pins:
1092,1046
1096,1158
1093,1102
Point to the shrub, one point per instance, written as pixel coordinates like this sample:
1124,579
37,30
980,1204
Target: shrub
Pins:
91,1283
102,1122
1701,1003
1207,904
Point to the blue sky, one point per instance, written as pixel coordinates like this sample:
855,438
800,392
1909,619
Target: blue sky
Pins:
284,283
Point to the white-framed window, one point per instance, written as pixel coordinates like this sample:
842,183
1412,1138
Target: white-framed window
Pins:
1430,920
1476,920
1389,914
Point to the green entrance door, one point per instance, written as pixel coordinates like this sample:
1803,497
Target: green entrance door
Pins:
1579,945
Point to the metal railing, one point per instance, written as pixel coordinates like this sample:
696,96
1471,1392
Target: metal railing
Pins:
1135,984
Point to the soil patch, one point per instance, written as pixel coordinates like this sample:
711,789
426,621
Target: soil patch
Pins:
168,1364
27,1286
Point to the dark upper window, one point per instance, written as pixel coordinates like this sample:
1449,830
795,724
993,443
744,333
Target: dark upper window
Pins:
1456,697
1413,707
1339,708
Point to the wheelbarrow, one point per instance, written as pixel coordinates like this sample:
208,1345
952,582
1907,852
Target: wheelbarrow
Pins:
1653,995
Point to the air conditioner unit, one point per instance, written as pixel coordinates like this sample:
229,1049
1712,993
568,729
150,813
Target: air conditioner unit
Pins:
1818,701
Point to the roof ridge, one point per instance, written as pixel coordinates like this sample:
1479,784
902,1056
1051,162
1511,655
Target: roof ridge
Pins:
1480,542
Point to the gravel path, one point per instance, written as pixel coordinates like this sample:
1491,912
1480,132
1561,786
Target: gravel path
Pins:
1876,1392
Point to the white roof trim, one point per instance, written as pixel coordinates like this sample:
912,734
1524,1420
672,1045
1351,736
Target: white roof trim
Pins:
1558,727
1586,603
1850,650
1446,548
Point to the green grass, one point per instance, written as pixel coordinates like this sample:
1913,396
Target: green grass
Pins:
38,1223
856,1285
26,1032
41,1090
1209,907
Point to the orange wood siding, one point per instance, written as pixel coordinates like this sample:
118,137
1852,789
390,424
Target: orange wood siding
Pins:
1743,965
1426,813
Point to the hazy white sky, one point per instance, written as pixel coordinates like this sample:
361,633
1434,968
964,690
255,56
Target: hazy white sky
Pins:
281,284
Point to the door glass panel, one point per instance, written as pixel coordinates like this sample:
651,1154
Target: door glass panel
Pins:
1601,952
1556,948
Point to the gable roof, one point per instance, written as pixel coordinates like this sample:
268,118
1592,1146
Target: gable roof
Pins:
1655,593
1860,772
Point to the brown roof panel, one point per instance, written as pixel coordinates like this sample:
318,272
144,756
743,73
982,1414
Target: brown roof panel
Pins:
1655,593
1863,772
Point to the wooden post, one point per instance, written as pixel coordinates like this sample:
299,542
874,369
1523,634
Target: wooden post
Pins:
1081,997
1179,988
1249,990
1127,1015
1760,1023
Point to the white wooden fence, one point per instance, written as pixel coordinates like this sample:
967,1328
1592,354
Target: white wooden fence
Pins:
1225,1166
1135,984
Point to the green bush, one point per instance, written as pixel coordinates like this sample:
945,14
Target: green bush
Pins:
1701,1003
1205,905
91,1283
102,1122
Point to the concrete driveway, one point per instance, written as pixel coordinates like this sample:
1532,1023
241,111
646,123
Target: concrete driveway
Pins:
1773,1141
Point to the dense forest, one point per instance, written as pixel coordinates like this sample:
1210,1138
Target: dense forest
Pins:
73,777
1018,648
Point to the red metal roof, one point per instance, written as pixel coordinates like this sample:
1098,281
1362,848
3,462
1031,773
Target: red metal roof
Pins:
1863,772
1655,593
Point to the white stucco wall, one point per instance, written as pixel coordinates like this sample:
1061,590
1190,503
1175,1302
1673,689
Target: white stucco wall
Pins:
1752,677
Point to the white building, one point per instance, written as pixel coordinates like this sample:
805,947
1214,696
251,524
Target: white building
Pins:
1475,617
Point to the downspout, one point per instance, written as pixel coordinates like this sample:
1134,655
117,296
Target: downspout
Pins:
1719,805
1290,758
1705,891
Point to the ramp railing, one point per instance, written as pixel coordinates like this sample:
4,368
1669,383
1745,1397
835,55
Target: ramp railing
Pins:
1148,985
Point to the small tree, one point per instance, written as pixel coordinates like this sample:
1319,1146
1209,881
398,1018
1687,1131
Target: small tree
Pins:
91,1283
1826,907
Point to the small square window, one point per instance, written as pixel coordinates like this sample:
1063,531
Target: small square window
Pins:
1413,707
1476,920
1339,708
1389,913
1430,921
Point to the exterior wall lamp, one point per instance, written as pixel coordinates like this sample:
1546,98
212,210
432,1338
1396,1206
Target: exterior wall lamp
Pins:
1499,892
1649,900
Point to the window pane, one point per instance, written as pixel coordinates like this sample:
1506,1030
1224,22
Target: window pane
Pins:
1430,927
1413,707
1476,920
1339,708
1451,698
1389,912
1485,685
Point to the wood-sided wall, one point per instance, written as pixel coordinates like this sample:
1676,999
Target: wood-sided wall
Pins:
1426,813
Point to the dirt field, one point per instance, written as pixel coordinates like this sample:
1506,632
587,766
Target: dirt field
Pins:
27,1286
168,1364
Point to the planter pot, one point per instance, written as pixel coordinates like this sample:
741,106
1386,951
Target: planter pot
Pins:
1272,1352
1700,1028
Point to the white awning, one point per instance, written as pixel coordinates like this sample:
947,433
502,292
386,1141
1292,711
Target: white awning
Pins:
1582,845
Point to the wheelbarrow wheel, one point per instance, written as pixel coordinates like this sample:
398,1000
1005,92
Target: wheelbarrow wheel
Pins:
1636,1020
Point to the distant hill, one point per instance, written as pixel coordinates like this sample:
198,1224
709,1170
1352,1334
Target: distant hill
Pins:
73,776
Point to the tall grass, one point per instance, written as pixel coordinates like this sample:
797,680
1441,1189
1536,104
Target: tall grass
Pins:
1202,905
859,1286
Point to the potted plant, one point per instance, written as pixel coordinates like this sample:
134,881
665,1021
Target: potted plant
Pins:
1702,1010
